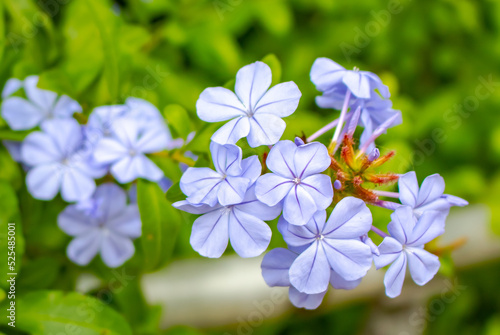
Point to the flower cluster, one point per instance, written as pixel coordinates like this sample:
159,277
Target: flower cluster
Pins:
322,192
65,156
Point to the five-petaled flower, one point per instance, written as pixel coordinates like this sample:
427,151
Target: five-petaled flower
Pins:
41,105
333,245
296,178
126,151
406,246
428,197
104,224
241,223
331,78
229,182
58,161
276,272
254,111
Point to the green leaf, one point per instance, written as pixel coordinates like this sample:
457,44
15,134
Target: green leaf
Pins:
178,118
9,213
143,318
106,23
230,84
10,170
275,66
201,142
38,274
11,135
174,193
54,312
2,30
160,224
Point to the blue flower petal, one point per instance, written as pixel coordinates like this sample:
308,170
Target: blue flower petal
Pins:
271,188
310,273
210,234
276,265
249,235
395,276
265,129
281,100
299,206
252,81
350,259
116,249
423,265
304,300
350,219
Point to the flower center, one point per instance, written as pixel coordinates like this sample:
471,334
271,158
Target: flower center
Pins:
320,237
296,180
132,152
226,210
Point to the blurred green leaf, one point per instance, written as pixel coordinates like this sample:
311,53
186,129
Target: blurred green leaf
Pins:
9,213
175,193
160,223
178,118
54,312
275,66
38,274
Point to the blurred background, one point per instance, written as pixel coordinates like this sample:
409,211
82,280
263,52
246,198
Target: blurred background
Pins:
441,61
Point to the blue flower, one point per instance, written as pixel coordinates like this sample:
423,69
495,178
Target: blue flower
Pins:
406,246
254,111
241,223
332,79
42,105
58,161
102,120
331,245
374,112
276,272
229,182
11,86
297,180
103,224
427,197
126,150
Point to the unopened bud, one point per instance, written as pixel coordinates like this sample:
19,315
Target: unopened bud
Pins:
299,141
374,155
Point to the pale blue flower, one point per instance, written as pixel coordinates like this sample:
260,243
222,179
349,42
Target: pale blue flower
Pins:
59,162
243,224
406,246
296,180
11,86
41,105
229,182
428,197
333,79
255,112
104,224
276,272
331,245
126,151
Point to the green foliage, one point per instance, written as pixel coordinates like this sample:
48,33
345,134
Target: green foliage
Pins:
46,312
160,223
